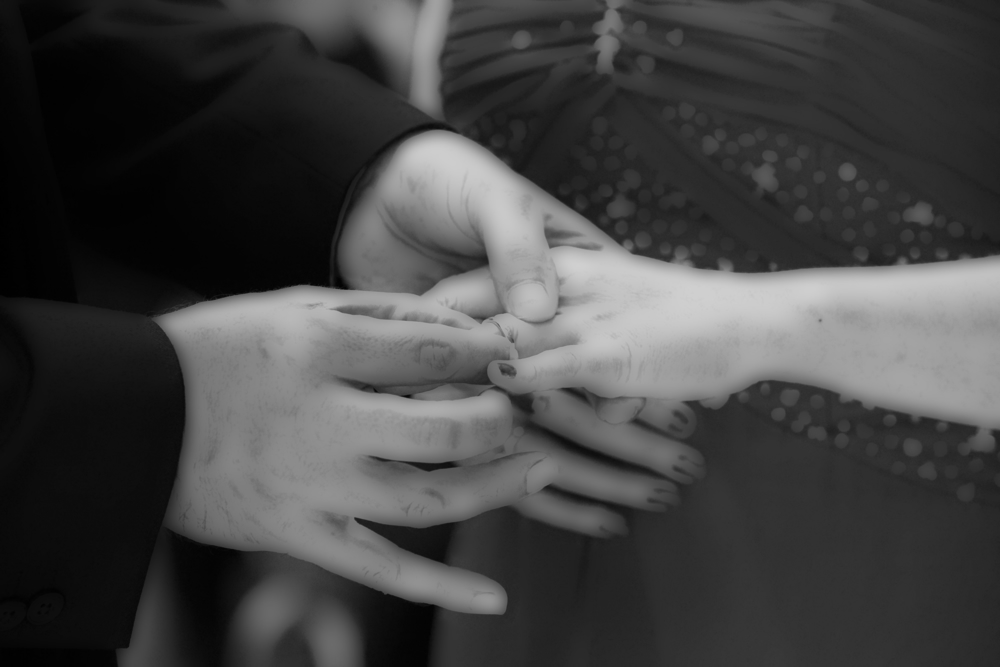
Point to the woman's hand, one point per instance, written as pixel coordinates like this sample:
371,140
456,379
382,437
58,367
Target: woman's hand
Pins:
629,326
286,441
920,339
637,465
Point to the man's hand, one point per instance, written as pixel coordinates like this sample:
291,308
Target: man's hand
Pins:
286,440
439,205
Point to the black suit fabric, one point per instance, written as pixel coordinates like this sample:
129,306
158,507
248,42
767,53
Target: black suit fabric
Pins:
213,150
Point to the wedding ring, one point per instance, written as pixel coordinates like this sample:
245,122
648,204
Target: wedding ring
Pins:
503,332
506,334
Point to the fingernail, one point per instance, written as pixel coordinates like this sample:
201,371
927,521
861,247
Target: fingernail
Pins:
529,301
691,464
507,370
614,528
662,504
693,458
666,495
484,602
541,475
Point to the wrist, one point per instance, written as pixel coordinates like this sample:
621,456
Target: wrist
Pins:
345,234
785,316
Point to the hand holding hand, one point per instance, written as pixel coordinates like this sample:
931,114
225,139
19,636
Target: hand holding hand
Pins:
439,204
636,466
286,443
630,326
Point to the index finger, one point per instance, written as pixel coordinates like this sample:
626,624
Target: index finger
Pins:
397,306
388,353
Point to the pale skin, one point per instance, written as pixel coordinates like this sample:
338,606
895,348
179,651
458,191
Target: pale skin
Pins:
297,434
286,443
923,339
565,426
440,204
437,205
565,227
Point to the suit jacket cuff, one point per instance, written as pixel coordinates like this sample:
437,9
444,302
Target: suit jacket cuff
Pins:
90,434
215,150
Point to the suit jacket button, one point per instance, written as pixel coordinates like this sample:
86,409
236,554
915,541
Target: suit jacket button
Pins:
12,612
44,608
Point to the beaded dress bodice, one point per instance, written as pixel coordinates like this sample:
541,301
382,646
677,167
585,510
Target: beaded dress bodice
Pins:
669,123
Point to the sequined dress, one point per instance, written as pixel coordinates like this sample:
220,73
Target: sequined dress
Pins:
755,136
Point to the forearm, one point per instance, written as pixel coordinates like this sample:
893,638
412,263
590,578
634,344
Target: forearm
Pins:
922,339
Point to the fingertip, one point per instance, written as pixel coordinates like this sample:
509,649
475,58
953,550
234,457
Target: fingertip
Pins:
504,375
492,602
531,301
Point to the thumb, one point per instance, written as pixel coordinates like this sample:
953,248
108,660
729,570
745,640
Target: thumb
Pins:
520,264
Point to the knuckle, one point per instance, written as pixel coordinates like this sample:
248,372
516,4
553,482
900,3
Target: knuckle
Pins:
424,507
380,573
611,359
452,434
572,363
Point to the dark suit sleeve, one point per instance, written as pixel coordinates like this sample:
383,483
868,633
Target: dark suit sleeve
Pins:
91,422
213,150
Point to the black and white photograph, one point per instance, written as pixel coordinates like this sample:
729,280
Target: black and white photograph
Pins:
499,333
